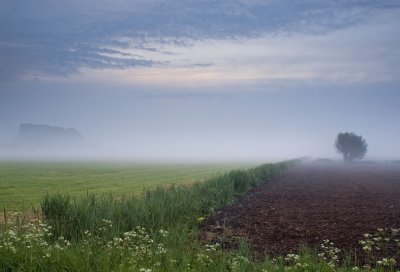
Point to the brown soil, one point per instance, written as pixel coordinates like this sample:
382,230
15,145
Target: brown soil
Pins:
312,202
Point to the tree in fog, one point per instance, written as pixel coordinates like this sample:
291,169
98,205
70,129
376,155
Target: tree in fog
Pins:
352,146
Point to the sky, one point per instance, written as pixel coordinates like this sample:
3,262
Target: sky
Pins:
203,80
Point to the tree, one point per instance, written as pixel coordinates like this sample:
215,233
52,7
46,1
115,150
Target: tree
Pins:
351,146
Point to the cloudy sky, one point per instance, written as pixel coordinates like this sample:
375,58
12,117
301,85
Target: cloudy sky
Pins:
207,79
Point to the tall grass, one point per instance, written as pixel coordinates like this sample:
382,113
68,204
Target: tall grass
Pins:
164,207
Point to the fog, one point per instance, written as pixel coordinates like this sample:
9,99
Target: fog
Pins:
208,81
130,124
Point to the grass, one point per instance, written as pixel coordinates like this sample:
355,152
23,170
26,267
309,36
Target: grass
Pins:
22,184
160,208
157,231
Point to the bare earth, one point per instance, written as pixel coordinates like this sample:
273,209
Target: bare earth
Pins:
310,203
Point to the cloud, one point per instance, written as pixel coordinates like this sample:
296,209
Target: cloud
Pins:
364,54
44,37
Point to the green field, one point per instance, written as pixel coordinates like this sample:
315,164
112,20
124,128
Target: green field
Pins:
23,184
156,231
159,231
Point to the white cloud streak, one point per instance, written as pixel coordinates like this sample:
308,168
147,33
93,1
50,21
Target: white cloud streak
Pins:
47,39
349,56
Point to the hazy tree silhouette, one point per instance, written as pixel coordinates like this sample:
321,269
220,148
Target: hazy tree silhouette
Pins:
351,146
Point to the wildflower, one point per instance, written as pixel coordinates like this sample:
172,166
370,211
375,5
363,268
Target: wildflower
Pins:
329,253
301,265
388,261
204,259
331,265
367,248
214,247
145,270
161,249
237,262
163,233
292,257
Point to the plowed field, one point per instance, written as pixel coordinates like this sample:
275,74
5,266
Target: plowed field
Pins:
312,202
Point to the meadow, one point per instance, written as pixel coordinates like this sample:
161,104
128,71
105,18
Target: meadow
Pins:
158,229
23,184
155,231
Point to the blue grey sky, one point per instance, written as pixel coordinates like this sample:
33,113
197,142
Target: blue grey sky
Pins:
204,80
